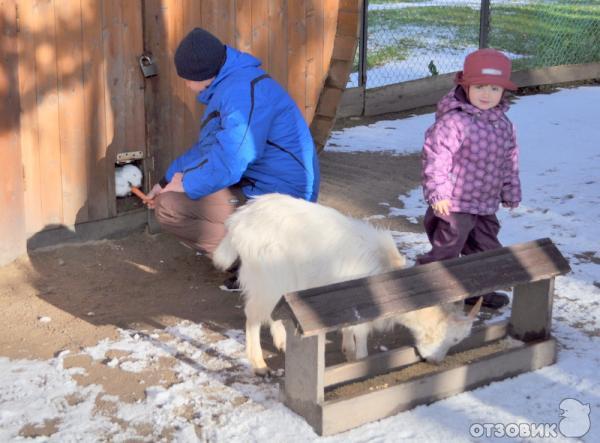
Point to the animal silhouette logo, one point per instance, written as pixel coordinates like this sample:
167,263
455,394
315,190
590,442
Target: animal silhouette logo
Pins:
575,420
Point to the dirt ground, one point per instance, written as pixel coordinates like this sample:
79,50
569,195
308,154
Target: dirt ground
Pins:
69,297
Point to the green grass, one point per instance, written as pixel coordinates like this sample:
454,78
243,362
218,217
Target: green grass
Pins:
549,33
398,52
384,2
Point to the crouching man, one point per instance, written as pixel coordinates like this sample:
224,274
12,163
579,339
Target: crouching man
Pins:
253,140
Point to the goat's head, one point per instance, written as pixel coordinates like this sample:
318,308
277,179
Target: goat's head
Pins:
435,339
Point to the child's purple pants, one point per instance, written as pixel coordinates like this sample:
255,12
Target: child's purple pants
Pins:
459,234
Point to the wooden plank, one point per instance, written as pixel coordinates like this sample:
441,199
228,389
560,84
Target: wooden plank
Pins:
407,95
304,367
12,214
341,415
348,22
115,105
123,224
297,53
243,25
320,128
330,307
177,86
344,49
330,99
339,70
330,27
406,355
351,103
531,314
314,55
401,294
158,89
278,41
556,74
71,112
260,32
427,91
44,28
133,82
94,94
192,109
34,220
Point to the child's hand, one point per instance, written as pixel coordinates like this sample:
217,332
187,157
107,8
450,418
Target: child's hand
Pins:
510,206
441,207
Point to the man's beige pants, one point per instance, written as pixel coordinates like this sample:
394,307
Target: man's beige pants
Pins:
199,223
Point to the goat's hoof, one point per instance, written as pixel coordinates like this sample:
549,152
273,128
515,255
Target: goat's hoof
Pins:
262,372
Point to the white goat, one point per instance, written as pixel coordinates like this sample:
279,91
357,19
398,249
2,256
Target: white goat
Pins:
287,244
125,177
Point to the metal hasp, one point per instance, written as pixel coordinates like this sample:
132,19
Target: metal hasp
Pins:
127,157
529,268
149,69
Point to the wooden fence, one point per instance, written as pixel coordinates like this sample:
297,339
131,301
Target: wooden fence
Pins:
73,96
427,91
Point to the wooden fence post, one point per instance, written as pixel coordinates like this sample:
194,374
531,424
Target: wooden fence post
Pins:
304,373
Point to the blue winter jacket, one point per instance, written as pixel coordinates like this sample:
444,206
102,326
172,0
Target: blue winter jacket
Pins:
253,134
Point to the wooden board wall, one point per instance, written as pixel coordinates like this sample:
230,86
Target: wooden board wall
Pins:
12,217
83,98
82,103
293,39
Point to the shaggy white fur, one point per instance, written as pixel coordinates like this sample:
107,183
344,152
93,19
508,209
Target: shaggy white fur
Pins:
287,244
125,177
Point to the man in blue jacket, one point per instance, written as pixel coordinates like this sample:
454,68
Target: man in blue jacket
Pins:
253,140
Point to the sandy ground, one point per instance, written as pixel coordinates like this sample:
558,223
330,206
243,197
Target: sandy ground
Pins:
69,297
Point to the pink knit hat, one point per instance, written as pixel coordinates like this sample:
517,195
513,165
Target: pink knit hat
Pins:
486,67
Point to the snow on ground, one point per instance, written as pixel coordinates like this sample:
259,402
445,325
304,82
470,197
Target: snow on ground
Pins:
559,138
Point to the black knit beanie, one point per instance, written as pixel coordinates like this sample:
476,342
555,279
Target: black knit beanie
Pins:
199,56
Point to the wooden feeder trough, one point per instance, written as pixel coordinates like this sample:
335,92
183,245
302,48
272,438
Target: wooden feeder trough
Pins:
340,397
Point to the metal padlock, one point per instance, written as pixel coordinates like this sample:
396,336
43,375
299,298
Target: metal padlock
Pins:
147,65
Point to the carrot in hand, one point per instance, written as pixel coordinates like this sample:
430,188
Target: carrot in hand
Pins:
139,193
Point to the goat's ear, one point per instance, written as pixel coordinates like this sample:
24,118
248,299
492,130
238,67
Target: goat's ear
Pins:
475,309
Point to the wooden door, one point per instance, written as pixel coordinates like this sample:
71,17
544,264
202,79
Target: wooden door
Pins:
82,103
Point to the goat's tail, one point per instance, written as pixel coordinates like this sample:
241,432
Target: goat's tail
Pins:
225,255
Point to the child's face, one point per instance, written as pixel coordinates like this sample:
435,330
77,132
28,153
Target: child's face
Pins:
485,96
198,86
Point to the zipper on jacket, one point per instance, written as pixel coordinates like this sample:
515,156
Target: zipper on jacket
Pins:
199,165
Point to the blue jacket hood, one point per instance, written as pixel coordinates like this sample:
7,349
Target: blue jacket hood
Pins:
235,60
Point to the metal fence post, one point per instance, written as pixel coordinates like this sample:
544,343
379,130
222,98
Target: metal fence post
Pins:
484,23
362,46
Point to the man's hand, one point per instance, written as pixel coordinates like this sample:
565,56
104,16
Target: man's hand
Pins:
176,184
441,207
156,190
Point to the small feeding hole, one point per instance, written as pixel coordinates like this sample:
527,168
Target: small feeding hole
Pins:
128,174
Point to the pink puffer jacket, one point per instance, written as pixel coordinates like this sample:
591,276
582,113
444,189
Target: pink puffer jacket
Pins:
470,157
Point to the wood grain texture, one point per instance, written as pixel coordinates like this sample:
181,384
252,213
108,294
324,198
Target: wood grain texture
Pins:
331,307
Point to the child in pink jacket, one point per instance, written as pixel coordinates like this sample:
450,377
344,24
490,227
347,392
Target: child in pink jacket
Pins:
470,164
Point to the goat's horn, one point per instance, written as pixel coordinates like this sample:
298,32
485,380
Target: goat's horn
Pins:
475,309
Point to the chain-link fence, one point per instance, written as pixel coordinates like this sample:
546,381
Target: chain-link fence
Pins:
413,39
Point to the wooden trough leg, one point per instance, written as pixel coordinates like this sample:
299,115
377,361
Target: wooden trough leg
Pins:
531,314
304,374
